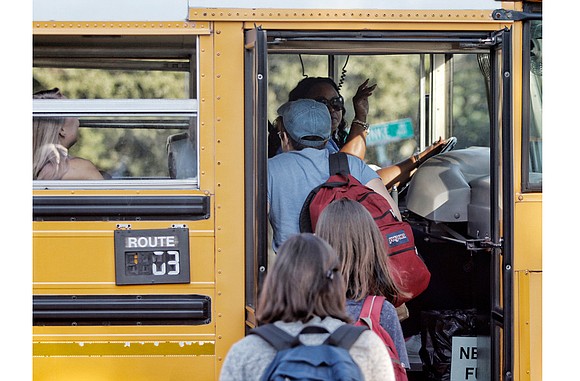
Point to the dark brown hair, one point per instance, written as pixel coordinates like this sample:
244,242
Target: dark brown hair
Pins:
304,282
351,230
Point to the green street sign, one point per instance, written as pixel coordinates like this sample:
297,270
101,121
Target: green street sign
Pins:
390,132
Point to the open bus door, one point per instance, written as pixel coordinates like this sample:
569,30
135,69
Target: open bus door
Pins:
256,128
495,322
501,176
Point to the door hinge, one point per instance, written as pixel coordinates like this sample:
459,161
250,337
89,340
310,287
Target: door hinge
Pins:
502,14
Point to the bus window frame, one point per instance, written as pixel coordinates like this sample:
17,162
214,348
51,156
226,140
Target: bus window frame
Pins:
139,52
184,108
527,185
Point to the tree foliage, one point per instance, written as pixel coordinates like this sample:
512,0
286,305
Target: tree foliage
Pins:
397,96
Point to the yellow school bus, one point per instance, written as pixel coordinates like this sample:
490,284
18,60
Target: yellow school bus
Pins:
153,271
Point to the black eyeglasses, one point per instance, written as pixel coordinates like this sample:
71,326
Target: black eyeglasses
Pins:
336,103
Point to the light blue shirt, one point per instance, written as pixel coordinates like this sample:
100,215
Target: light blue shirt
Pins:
291,177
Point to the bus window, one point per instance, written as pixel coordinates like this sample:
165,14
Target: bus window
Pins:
470,123
419,97
137,114
533,108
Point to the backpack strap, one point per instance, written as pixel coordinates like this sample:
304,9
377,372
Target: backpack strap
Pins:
276,337
371,310
345,336
280,339
338,164
376,307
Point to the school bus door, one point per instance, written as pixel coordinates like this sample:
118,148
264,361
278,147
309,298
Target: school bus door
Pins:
256,127
495,341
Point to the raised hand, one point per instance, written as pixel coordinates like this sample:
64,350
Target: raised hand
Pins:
361,100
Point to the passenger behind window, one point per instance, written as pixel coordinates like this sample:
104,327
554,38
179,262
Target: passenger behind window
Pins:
352,232
51,139
304,289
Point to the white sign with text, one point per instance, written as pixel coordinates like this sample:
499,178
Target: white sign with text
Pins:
463,358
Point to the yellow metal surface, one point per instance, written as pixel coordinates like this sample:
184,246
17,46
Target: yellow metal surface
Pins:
106,368
337,15
528,325
126,27
229,171
123,348
528,236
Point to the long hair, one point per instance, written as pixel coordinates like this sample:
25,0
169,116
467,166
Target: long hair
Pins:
351,230
304,282
50,159
302,90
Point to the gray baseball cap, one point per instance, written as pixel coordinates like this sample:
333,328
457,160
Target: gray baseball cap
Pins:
306,121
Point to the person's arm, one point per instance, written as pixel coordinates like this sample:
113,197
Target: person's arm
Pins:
82,169
356,140
399,174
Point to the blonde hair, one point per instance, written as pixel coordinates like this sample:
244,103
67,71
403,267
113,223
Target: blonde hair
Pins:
351,230
50,159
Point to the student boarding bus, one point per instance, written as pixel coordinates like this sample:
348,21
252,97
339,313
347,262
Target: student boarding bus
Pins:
153,271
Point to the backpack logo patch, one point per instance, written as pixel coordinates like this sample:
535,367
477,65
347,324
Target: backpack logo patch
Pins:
397,238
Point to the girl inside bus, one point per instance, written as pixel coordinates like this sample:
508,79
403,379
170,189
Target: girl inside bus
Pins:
325,90
350,229
51,139
304,288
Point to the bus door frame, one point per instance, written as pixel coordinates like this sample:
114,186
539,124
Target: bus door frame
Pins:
502,219
256,135
501,172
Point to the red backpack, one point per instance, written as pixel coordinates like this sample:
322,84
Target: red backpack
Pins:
408,270
370,316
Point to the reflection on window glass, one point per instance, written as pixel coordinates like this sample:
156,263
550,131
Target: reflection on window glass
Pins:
129,110
470,100
120,148
127,148
113,84
535,125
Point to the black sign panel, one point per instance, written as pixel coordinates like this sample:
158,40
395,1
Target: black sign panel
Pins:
156,256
